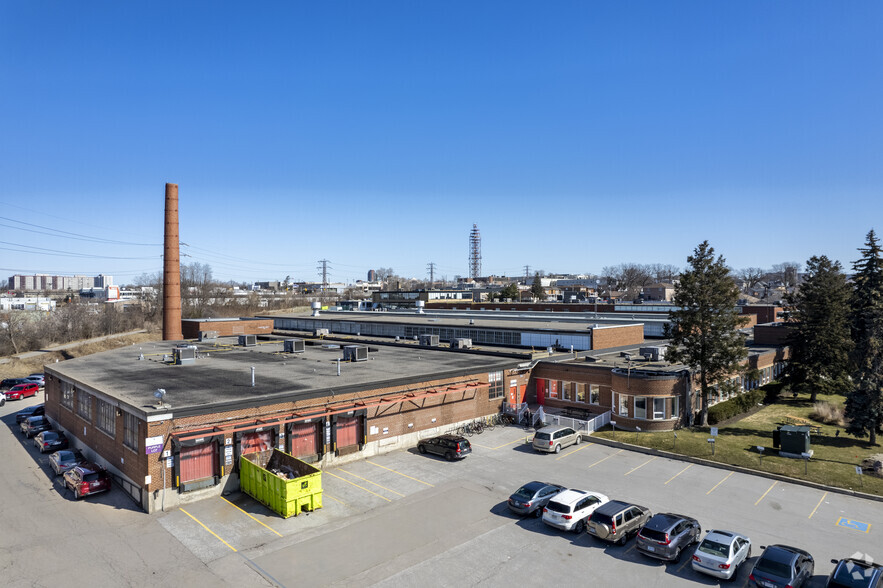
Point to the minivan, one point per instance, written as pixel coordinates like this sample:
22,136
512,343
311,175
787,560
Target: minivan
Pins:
553,438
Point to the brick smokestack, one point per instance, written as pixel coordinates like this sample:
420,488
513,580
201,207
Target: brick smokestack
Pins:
171,315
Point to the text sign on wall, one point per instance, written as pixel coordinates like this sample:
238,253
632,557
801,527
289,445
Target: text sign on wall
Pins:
153,444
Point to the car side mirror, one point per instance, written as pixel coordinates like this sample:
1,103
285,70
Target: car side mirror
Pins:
835,561
763,546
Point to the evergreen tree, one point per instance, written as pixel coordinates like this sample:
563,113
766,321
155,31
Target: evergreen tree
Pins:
536,289
820,337
864,404
705,331
510,291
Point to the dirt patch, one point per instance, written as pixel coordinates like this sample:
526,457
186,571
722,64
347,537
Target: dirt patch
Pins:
16,367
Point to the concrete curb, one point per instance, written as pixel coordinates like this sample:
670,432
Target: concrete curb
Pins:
724,466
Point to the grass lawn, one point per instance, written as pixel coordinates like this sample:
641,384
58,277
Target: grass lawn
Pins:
833,462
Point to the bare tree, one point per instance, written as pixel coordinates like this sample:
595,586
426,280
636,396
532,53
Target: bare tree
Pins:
787,272
750,276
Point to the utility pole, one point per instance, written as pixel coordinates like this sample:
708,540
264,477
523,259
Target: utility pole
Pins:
431,269
323,271
526,274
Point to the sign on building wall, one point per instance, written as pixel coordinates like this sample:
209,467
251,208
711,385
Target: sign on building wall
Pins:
153,444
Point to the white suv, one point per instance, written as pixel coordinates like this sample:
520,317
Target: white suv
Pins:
570,509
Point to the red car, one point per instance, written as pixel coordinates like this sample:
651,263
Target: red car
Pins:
86,479
22,391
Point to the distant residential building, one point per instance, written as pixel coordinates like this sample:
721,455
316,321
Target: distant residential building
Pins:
41,282
661,291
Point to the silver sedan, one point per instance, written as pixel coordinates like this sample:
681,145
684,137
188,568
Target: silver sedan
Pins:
721,553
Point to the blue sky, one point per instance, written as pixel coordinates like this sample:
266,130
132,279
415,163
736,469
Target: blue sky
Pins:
576,135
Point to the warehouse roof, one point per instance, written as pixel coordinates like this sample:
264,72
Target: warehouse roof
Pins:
221,375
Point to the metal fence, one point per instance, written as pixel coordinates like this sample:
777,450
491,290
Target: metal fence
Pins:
541,418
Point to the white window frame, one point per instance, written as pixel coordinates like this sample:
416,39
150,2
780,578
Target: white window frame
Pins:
658,415
640,413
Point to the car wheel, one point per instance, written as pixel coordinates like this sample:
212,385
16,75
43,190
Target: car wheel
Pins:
557,449
421,449
747,557
538,513
677,556
449,456
578,440
580,527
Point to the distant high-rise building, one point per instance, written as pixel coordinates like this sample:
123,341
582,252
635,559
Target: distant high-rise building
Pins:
372,275
39,282
474,253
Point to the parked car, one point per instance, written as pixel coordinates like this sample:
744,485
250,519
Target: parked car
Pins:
8,383
781,566
532,497
570,509
87,478
35,424
50,441
450,447
667,535
855,573
37,379
25,413
62,461
721,553
617,521
22,391
554,438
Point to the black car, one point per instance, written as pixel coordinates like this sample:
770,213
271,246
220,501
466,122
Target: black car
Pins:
855,573
532,497
667,535
50,441
34,425
780,566
450,447
26,413
10,382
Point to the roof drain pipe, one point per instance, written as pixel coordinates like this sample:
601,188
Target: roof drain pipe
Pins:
252,376
338,366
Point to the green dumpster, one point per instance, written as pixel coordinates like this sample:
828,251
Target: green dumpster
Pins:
283,483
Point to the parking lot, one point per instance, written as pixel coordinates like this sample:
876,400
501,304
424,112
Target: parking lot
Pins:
405,519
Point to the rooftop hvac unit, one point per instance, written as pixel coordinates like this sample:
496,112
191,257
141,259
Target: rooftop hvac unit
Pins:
248,340
461,343
355,353
429,340
293,346
652,353
206,335
184,355
321,332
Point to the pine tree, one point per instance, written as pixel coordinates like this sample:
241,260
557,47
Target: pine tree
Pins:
705,331
820,337
864,404
536,289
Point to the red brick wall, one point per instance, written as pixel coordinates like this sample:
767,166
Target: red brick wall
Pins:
607,337
191,328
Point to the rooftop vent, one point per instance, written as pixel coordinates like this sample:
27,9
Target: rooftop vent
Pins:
429,340
248,340
420,305
206,335
184,354
293,346
652,353
461,343
355,353
321,332
316,306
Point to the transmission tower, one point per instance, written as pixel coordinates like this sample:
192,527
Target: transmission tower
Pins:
323,272
526,273
474,253
431,269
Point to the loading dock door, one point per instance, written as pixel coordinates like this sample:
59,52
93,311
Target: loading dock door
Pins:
304,439
197,462
347,431
251,442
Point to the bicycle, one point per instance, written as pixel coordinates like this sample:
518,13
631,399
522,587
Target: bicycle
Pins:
478,427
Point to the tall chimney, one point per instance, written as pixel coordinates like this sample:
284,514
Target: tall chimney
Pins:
171,316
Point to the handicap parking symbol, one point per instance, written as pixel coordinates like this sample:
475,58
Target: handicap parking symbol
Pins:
851,524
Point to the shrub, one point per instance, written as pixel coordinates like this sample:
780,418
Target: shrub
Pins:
736,406
830,414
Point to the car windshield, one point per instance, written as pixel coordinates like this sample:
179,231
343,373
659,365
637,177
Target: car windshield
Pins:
776,568
558,507
714,548
850,575
653,534
91,477
543,436
65,455
49,436
464,445
524,493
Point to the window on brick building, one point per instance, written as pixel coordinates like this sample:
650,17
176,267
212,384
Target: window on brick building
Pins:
658,408
565,391
640,407
580,392
84,405
624,404
67,395
105,417
495,385
594,394
130,431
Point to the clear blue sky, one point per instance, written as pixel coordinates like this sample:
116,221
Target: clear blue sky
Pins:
575,134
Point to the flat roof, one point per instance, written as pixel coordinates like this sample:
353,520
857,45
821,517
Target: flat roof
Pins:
220,379
519,321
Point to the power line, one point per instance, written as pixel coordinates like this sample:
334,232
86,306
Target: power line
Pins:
69,235
43,251
323,271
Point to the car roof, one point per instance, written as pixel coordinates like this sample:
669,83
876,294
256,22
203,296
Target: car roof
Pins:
613,507
664,520
534,486
570,496
723,536
450,437
782,553
89,467
553,428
